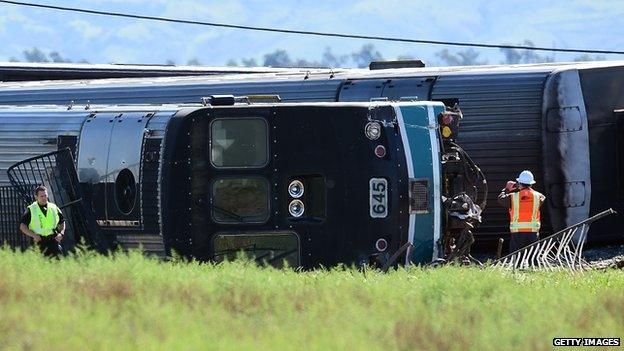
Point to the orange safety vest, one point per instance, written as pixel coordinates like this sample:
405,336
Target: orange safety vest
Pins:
524,212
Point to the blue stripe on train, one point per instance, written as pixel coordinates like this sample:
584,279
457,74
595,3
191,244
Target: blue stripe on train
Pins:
420,130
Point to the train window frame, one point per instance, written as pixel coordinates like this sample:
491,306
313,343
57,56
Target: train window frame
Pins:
231,118
257,233
241,177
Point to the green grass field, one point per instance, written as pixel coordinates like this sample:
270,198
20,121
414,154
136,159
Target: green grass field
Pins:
134,303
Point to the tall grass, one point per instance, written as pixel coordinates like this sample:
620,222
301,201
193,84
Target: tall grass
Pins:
129,302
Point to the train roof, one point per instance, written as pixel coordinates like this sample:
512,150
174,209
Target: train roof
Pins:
307,74
173,107
26,71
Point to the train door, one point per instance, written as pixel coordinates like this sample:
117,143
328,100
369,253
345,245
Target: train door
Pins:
109,157
243,190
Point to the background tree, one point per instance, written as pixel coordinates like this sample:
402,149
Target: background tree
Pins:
278,58
366,55
193,62
515,56
38,55
588,57
468,57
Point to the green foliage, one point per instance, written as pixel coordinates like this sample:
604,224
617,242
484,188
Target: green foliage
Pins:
130,302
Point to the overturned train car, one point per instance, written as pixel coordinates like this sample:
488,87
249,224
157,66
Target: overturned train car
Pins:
310,184
562,121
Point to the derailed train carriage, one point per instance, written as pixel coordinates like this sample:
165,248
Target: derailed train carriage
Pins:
29,71
561,120
309,183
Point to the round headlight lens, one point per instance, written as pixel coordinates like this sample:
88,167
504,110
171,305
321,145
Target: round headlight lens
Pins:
295,189
296,208
372,130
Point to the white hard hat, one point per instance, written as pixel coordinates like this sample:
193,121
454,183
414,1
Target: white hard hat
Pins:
526,177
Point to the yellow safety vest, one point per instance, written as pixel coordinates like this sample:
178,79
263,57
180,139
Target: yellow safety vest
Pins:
40,224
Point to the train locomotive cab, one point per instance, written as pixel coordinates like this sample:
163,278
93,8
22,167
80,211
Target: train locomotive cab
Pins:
311,185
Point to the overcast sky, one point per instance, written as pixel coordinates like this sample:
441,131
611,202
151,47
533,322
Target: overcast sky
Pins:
568,24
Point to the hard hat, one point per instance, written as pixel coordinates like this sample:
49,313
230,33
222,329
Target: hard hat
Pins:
526,177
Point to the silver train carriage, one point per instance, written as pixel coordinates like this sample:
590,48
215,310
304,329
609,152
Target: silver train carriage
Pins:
307,183
563,121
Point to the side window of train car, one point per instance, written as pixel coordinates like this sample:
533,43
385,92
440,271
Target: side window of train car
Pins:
239,142
273,248
240,200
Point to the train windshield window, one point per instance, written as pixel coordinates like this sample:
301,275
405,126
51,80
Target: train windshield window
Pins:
239,142
240,200
273,248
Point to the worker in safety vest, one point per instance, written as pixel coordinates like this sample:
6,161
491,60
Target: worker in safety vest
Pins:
524,210
44,222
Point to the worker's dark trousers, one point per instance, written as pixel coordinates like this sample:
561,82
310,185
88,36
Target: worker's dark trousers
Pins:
49,247
520,240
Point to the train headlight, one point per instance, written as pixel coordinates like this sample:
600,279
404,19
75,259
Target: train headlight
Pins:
296,189
296,208
372,130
